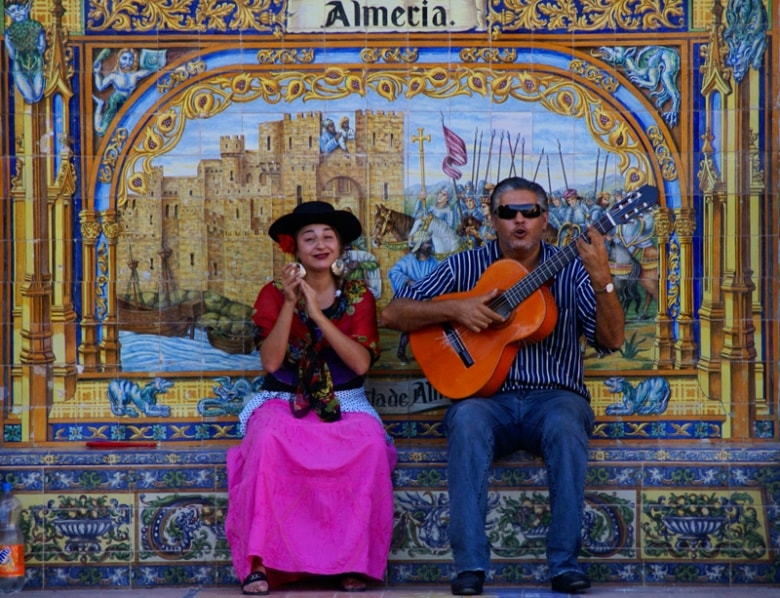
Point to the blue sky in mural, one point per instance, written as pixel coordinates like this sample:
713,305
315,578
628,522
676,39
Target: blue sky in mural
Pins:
527,130
534,131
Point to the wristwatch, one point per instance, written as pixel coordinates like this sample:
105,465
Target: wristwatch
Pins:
610,288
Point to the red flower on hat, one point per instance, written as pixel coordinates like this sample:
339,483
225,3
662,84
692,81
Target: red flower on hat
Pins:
287,243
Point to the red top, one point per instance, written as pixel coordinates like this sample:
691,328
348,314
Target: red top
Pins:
358,321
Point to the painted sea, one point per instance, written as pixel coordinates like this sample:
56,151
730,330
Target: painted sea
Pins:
152,353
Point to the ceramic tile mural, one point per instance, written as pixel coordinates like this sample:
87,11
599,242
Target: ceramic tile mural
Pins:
688,514
148,147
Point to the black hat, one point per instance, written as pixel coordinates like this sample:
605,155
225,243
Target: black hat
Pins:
317,212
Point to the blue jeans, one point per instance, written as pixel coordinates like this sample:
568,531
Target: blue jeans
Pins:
555,424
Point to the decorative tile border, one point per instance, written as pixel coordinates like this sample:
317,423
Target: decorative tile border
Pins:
682,514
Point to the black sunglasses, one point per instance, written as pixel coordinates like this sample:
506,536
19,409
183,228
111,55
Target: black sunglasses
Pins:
528,210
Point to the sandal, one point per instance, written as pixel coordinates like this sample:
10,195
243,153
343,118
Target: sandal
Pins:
352,583
255,577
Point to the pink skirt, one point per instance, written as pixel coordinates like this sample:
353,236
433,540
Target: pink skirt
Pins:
309,497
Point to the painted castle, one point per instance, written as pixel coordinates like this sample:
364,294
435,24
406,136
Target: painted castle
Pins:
212,226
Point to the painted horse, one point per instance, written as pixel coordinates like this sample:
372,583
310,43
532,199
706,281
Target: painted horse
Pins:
390,222
631,266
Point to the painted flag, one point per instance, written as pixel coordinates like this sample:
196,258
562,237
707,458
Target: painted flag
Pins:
456,154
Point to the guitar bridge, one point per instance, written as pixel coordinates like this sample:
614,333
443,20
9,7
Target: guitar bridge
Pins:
457,344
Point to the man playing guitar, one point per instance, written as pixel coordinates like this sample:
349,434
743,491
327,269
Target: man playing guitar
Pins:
541,403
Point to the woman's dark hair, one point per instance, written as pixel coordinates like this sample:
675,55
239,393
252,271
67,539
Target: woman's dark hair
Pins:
517,183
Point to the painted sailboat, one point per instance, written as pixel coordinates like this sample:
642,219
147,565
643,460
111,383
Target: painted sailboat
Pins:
167,317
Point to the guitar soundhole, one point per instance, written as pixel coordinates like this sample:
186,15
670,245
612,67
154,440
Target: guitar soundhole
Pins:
501,307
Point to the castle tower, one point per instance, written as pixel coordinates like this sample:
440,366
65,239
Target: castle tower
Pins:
300,153
384,148
231,151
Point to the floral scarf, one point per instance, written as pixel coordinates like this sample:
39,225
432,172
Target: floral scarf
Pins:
315,386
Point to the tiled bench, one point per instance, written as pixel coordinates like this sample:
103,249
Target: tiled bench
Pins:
678,513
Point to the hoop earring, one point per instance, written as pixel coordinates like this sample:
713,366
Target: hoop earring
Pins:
338,268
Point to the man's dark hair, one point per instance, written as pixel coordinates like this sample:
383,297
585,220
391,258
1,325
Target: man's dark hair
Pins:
517,183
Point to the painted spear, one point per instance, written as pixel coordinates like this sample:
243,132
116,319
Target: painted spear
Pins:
473,161
538,164
563,168
549,178
479,157
522,158
500,152
490,154
513,151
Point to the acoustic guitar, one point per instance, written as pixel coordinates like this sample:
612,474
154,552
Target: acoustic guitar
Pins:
460,363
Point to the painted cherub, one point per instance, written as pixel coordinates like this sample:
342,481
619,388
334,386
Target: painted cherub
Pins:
124,78
25,40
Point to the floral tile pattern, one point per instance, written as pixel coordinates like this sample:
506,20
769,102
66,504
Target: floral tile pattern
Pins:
154,518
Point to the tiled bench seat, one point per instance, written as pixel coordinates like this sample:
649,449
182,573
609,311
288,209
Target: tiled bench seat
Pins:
655,514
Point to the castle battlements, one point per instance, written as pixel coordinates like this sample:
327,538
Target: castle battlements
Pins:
231,144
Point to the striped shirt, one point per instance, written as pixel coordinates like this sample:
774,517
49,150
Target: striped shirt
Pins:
554,362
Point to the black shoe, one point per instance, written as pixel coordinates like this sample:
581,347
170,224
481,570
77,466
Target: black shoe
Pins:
468,583
571,582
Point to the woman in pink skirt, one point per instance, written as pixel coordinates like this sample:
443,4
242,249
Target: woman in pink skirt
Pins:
310,490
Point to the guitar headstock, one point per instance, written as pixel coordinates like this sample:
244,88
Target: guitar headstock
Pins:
633,204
